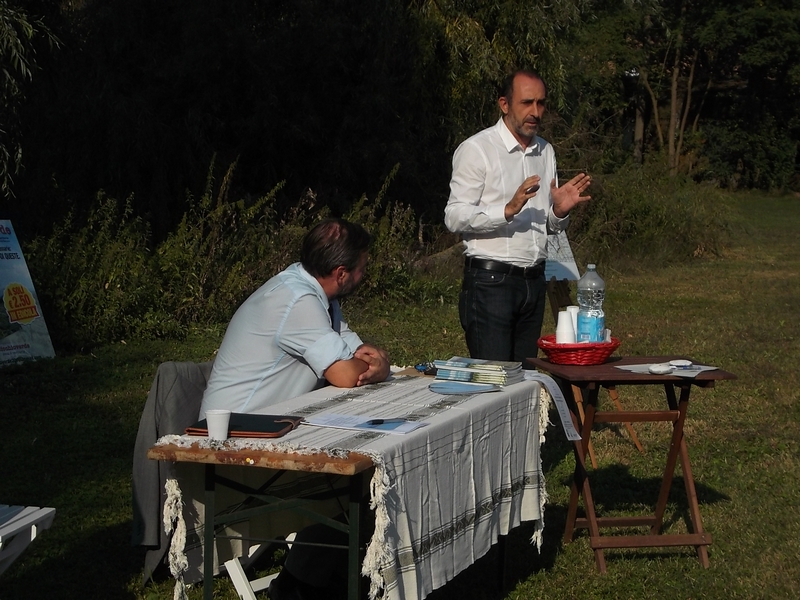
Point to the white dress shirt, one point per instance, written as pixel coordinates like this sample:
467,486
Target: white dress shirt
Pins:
488,168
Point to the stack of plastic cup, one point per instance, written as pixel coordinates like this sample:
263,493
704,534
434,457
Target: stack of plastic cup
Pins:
565,331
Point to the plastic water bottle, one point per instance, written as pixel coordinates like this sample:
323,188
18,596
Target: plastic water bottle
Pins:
591,318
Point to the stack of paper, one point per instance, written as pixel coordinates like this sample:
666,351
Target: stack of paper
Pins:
478,370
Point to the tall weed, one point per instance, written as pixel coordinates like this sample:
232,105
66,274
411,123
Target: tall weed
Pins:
94,281
220,253
100,282
392,271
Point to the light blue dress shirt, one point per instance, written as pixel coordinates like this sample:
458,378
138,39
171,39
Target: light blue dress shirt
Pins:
278,345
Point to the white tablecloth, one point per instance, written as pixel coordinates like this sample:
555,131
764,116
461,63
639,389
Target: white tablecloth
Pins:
441,494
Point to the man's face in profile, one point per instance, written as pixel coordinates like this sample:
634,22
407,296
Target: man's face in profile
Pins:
352,279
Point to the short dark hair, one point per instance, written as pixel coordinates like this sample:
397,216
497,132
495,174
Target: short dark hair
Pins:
506,87
332,243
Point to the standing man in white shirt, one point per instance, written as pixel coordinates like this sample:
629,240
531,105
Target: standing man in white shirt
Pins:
504,201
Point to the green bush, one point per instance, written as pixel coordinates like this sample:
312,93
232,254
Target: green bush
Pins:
393,272
100,282
641,214
747,155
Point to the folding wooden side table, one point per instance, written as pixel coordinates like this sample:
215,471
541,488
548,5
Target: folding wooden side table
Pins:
590,379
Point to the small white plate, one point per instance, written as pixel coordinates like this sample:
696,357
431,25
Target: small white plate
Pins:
661,369
680,362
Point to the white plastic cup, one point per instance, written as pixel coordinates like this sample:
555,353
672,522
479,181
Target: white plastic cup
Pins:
573,312
565,333
218,421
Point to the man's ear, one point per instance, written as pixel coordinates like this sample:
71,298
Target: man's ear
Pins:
339,272
502,102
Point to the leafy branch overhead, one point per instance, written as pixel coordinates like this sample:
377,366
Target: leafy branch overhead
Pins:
19,37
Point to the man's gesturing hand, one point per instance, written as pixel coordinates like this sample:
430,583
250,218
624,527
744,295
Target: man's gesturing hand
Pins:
377,361
566,197
524,193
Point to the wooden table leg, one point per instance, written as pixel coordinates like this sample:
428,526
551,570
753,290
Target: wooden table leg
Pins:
580,457
694,506
576,392
688,476
580,483
674,451
612,392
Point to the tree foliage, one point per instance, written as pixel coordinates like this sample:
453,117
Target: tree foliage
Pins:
334,96
681,80
482,40
19,33
324,96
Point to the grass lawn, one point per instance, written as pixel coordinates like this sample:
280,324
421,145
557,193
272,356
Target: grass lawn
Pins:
68,429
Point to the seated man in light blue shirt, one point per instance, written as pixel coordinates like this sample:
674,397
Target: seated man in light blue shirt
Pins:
288,337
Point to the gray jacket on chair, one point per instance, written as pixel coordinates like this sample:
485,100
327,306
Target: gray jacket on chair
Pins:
173,404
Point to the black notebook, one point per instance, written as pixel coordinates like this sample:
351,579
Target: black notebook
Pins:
252,426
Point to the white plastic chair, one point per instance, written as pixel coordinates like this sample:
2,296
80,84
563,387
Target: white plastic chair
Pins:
19,526
245,588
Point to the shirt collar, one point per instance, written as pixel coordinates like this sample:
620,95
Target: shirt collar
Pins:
332,306
511,143
314,283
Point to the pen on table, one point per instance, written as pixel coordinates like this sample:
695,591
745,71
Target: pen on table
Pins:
384,421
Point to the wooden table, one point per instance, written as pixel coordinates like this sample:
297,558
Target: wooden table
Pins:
354,466
590,379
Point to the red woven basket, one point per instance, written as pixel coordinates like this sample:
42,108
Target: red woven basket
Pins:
587,353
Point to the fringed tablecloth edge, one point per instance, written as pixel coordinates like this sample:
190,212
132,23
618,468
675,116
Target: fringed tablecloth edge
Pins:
377,553
545,401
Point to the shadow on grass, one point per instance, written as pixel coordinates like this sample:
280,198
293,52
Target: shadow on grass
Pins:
98,566
70,445
619,493
615,489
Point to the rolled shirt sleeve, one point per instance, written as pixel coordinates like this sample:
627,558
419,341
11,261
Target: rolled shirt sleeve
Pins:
306,334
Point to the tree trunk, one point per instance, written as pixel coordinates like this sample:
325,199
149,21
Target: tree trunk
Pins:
702,103
638,128
654,103
686,107
673,107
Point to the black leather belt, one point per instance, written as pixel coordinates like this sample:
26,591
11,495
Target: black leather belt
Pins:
536,270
